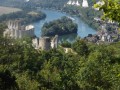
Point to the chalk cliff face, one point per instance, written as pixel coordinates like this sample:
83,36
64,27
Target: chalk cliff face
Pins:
76,3
85,3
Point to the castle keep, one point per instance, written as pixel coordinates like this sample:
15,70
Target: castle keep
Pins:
16,30
45,43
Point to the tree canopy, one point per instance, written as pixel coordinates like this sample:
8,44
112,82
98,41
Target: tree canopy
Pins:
59,27
111,9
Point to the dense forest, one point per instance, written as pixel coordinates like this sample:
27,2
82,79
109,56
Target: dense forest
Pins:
59,27
87,67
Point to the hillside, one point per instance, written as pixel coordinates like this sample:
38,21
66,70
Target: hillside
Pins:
41,3
33,3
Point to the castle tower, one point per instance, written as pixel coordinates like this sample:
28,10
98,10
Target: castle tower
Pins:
85,4
10,24
44,43
18,25
35,43
54,42
13,24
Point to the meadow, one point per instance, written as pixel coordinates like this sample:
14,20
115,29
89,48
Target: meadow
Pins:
7,10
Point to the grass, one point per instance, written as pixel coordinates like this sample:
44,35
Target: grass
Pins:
8,10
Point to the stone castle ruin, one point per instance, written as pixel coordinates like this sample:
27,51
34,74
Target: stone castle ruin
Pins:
16,30
45,43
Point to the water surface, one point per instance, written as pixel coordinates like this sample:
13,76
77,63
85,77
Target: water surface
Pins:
83,28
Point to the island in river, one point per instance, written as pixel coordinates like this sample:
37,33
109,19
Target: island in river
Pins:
59,27
83,28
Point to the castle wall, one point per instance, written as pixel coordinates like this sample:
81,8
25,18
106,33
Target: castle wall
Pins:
54,42
44,43
15,30
35,43
16,34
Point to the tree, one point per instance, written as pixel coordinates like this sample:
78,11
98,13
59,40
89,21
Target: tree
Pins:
80,47
111,9
7,81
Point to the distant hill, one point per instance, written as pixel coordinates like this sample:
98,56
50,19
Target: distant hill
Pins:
40,3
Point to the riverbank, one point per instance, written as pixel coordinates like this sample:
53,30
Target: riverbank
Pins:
86,14
27,16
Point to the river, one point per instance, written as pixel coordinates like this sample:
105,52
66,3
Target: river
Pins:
83,28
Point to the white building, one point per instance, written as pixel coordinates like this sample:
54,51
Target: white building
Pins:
75,3
27,0
100,3
69,2
85,4
15,30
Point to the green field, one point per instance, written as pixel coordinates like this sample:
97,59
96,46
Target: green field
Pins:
7,10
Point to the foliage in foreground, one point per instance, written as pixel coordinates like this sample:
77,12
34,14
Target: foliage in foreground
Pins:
92,68
111,9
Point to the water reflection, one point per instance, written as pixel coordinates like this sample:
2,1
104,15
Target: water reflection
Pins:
69,37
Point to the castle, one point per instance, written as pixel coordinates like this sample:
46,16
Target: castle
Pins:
16,30
45,43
